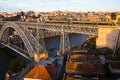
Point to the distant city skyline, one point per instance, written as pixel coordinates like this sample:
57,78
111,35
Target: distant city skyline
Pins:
59,5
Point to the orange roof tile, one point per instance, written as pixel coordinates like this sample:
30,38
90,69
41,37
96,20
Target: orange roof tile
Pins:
84,68
39,73
52,71
42,72
84,57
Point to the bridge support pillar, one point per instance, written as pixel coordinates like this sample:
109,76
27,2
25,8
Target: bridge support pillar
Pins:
40,38
64,41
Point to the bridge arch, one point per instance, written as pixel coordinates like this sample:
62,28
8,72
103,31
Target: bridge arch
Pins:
27,42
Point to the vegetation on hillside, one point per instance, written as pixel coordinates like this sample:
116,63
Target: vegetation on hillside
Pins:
16,65
104,51
90,44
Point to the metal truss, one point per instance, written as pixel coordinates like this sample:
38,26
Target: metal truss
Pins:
37,44
24,36
71,28
18,50
40,38
34,42
64,40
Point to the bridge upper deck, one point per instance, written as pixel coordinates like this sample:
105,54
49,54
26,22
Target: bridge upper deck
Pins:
58,27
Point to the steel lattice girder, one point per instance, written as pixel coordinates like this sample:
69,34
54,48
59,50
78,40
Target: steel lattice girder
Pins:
67,28
58,27
26,37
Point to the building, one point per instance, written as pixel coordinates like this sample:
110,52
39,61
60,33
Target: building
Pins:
42,73
107,36
114,17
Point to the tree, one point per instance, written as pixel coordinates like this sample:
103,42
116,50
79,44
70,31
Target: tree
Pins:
105,51
90,44
16,65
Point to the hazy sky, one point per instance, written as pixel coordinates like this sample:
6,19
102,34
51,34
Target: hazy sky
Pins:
55,5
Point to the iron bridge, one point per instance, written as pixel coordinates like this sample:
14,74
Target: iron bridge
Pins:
34,43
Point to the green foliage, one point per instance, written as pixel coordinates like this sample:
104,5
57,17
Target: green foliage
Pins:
33,16
105,51
91,43
16,65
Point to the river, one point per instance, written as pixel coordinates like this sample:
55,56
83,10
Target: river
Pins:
54,42
75,40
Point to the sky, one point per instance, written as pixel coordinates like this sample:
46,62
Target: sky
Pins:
59,5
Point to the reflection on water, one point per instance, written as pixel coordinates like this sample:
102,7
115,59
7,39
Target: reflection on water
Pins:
75,40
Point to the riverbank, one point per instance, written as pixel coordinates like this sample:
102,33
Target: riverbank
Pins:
5,57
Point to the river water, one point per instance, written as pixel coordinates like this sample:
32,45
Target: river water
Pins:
75,40
54,42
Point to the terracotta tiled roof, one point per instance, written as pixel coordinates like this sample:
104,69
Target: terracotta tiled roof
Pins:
84,57
71,78
77,57
42,73
114,66
83,68
52,71
8,15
